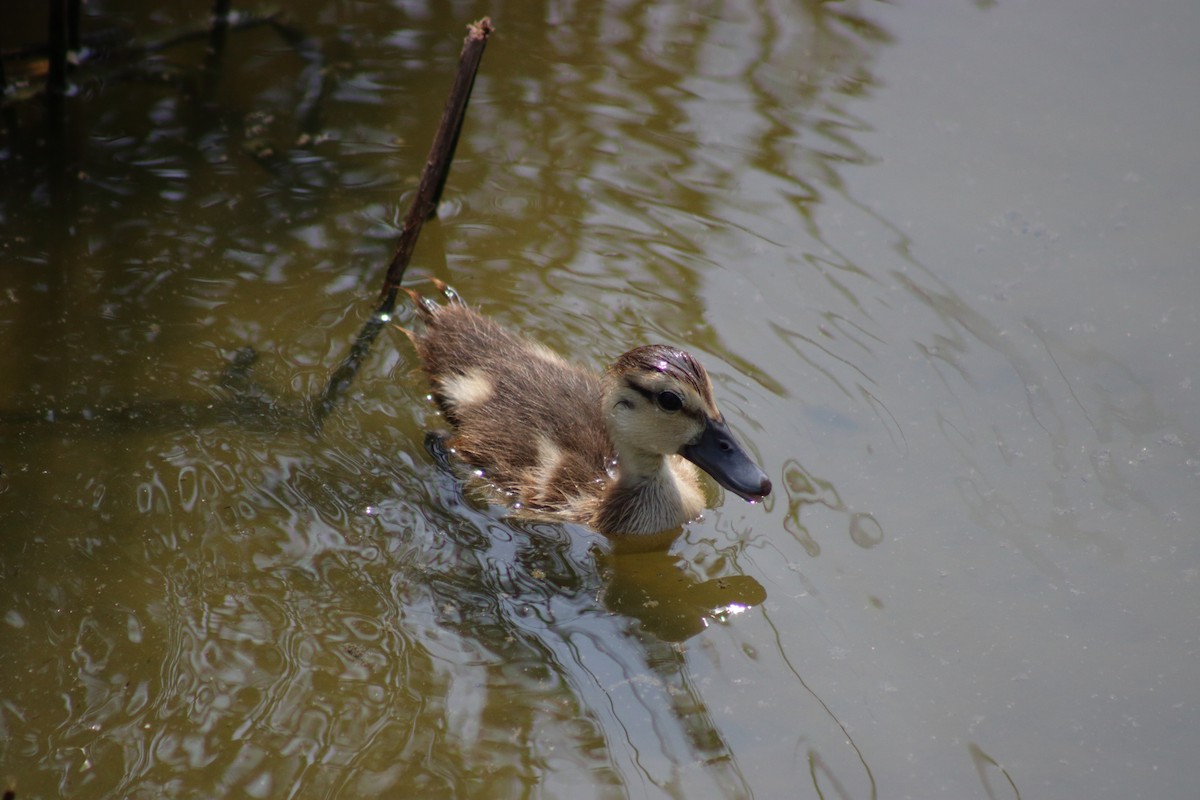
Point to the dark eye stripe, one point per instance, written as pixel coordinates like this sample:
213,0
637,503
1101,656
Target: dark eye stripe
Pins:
650,396
642,390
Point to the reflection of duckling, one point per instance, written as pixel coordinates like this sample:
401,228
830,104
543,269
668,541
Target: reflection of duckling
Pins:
670,602
608,451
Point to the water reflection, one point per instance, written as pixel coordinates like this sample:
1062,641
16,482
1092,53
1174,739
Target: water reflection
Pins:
668,601
226,602
986,766
328,606
803,490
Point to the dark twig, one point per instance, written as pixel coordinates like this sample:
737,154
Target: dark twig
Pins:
112,57
424,205
217,35
74,9
437,166
56,39
3,76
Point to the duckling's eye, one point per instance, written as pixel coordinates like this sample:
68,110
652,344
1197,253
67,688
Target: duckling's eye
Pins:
669,401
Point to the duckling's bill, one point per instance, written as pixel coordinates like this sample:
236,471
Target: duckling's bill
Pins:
722,456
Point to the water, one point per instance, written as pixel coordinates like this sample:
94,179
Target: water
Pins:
939,263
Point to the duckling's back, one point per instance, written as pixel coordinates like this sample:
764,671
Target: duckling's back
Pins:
530,420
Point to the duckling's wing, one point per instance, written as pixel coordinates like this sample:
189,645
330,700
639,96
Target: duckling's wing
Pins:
531,421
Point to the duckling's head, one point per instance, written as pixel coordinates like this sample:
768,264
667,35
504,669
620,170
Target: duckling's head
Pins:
660,402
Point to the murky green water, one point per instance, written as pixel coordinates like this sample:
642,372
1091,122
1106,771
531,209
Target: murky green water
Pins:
940,262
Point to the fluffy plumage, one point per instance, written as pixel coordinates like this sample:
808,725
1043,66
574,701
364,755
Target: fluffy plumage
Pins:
603,450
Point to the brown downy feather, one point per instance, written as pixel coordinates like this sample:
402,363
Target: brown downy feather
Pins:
540,432
605,450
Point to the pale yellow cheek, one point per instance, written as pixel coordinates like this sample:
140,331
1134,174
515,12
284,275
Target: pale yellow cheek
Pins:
687,478
648,429
469,389
668,433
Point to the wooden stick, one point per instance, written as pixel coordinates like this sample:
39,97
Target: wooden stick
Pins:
437,166
424,206
56,40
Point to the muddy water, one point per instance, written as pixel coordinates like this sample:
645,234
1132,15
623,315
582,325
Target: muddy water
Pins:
940,263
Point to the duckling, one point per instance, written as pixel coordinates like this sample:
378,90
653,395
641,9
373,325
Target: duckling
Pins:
617,452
